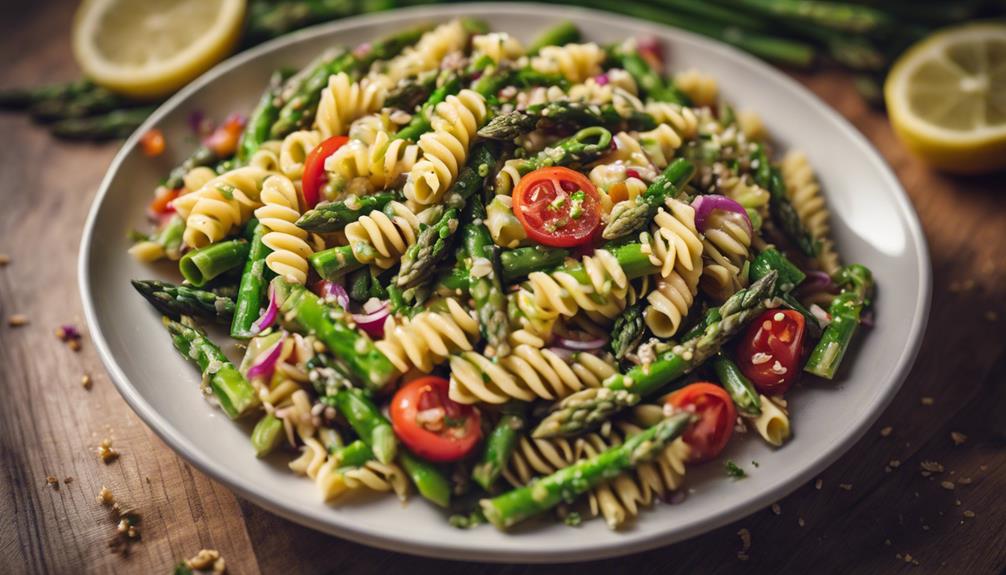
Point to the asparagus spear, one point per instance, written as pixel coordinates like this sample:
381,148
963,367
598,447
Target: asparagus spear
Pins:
566,484
201,265
90,100
768,176
201,156
628,330
519,262
334,262
412,92
484,283
262,118
232,391
23,98
583,147
115,124
353,455
271,19
857,287
552,115
178,300
558,35
420,122
267,435
839,16
419,261
252,295
740,388
427,478
500,444
307,313
335,216
367,420
649,81
629,216
589,408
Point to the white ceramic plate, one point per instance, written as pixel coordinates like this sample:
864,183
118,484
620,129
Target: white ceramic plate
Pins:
873,221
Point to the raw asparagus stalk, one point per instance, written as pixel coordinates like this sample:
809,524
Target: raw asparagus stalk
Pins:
627,332
500,445
232,391
740,388
484,283
629,216
566,484
262,118
307,313
267,435
175,301
846,309
335,216
115,124
591,407
22,98
558,35
839,16
367,420
271,19
202,265
552,115
90,101
334,262
252,291
428,479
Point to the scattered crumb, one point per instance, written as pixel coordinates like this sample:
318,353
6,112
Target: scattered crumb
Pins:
745,536
983,467
845,486
927,400
932,466
818,484
52,481
4,260
67,332
964,481
957,503
958,438
73,344
800,522
776,509
894,463
948,485
17,320
127,531
886,431
969,514
755,463
207,560
991,315
106,452
105,496
887,542
68,480
86,382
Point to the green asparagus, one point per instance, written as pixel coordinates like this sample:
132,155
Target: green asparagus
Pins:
429,480
254,282
846,309
740,388
562,113
558,35
353,455
566,484
114,124
629,216
262,118
649,81
484,283
519,262
267,435
583,147
175,301
202,265
231,390
410,93
201,157
334,262
420,122
335,216
628,330
768,176
367,420
591,407
500,445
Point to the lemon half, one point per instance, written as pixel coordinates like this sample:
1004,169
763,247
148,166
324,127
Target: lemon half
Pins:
151,48
946,98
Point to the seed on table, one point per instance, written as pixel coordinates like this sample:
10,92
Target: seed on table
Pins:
4,260
17,320
86,382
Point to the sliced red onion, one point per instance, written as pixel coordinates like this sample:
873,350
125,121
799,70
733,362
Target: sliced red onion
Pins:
361,50
633,173
331,290
867,319
602,79
572,344
265,364
198,123
651,48
705,205
373,322
269,316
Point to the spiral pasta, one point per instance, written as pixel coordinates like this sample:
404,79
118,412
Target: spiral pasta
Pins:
575,62
445,149
700,87
279,213
726,248
427,54
684,120
220,206
382,236
334,481
805,194
429,337
266,157
198,177
293,152
527,373
505,229
677,249
498,46
344,101
377,165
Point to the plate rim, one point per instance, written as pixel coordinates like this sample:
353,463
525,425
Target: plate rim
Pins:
400,541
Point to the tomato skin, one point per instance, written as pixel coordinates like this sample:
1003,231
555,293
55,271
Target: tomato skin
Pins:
769,353
314,169
152,143
450,442
224,139
534,204
161,204
709,435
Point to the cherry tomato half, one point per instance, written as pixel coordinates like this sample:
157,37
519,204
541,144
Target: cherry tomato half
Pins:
710,434
223,141
431,424
152,143
314,169
161,204
557,206
769,353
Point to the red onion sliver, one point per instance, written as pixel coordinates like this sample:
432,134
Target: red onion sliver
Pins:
265,365
332,290
373,323
581,344
269,316
602,79
817,281
705,205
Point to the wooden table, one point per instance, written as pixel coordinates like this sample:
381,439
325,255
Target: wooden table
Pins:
864,516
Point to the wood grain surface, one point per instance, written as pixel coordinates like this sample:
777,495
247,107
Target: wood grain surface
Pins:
866,515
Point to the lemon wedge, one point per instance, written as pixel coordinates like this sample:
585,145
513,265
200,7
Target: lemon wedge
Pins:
151,48
946,98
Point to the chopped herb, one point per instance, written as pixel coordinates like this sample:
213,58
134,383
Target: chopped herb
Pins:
573,519
734,471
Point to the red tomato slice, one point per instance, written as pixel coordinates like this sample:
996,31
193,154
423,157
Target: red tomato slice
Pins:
161,204
557,206
314,169
769,353
710,434
431,424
